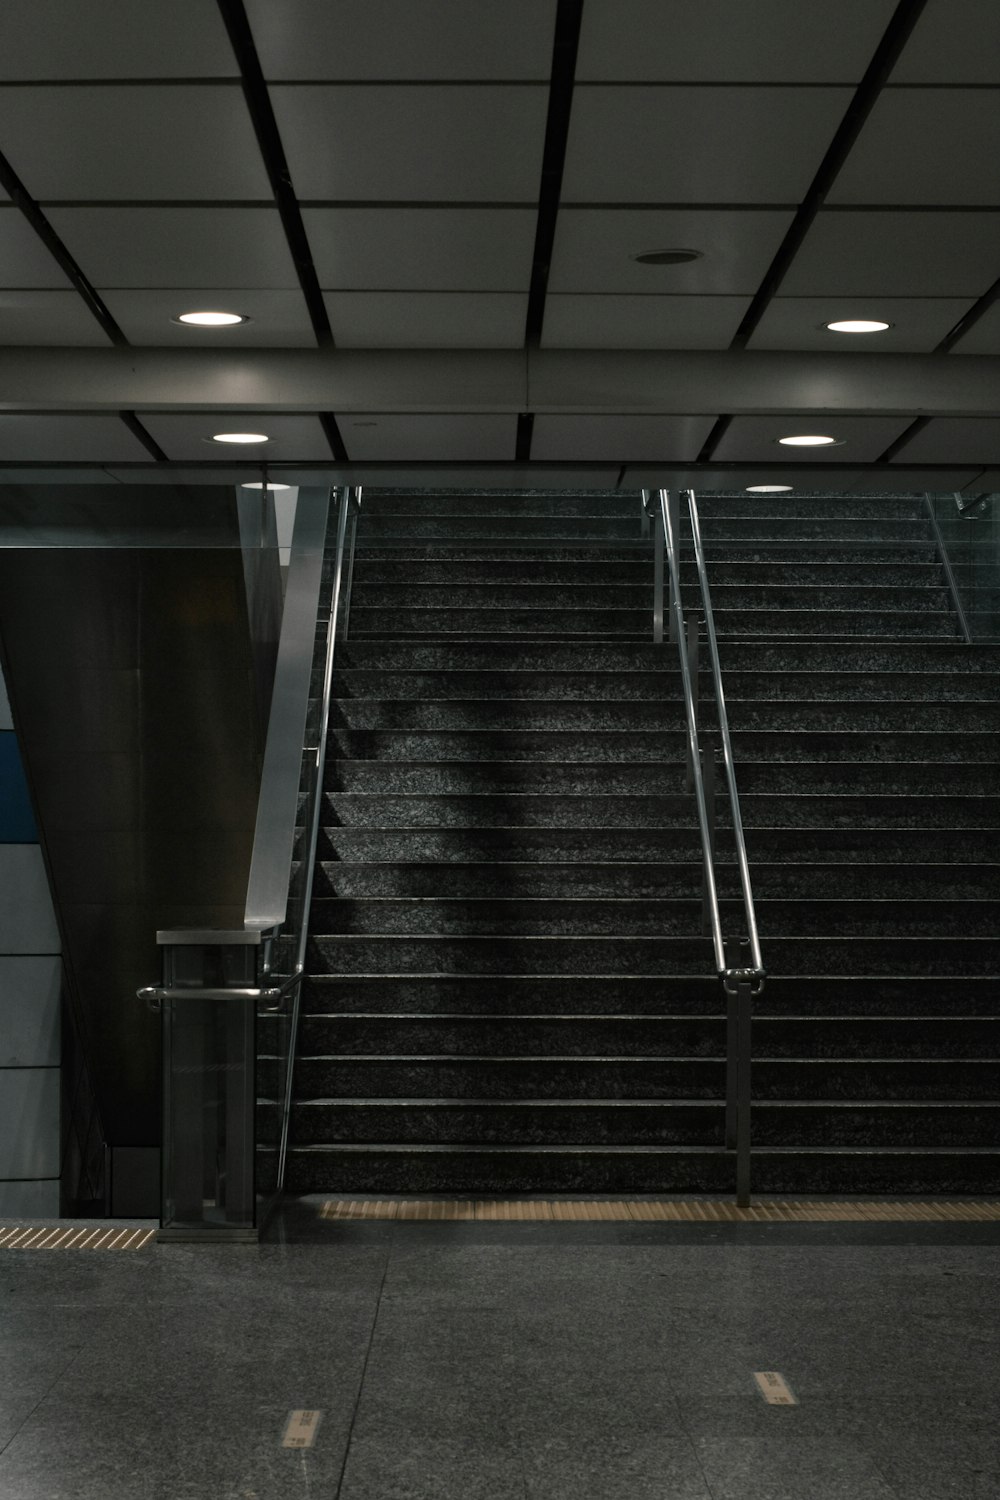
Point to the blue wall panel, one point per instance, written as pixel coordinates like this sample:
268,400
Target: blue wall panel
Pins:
17,821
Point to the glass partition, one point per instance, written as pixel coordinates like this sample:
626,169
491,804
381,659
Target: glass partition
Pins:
970,533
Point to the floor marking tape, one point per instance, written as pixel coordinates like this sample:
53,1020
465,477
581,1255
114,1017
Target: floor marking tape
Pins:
774,1388
301,1428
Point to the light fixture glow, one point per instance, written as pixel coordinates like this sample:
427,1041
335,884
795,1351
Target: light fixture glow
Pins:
767,489
239,437
857,325
807,440
257,485
212,319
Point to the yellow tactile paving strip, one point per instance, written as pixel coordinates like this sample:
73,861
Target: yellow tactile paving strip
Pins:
68,1237
662,1211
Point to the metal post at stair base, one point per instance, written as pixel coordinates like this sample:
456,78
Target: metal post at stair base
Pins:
708,782
644,521
353,499
739,989
674,512
691,629
659,548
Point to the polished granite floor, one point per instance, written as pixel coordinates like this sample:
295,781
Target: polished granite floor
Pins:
465,1361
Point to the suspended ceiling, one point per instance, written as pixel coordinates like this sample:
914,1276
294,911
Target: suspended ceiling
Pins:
430,216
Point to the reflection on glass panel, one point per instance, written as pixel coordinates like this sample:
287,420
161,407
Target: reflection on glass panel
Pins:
970,531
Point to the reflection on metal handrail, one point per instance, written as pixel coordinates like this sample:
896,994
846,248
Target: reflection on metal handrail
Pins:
740,980
350,502
727,747
949,575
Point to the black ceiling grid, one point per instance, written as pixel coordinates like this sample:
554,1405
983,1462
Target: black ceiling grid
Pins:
884,59
258,102
137,430
23,200
566,43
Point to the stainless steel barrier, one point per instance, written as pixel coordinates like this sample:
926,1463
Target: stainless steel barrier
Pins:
738,958
227,1040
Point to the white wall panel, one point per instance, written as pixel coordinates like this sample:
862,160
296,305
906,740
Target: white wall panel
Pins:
29,1200
30,988
27,921
29,1122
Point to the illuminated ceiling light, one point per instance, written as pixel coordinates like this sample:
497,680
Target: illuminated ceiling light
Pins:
767,489
240,437
257,485
667,257
212,319
807,440
858,325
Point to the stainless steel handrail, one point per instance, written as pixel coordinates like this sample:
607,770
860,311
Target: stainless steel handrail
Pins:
666,520
945,560
727,746
350,504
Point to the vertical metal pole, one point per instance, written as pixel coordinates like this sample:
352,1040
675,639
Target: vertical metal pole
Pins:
352,538
659,547
708,781
644,504
743,1091
674,511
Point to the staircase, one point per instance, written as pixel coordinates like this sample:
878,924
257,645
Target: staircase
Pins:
509,990
865,740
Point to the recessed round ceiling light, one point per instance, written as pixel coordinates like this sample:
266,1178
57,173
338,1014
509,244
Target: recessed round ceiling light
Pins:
257,485
239,437
858,325
767,489
212,319
808,440
667,257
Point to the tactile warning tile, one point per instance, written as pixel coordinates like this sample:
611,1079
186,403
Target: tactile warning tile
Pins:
697,1211
67,1237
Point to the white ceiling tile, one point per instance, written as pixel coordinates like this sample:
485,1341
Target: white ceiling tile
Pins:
595,249
187,435
902,253
697,145
954,41
361,39
632,322
690,41
886,480
984,335
113,39
422,249
925,146
412,142
622,438
716,479
418,436
48,318
917,324
755,439
277,319
58,437
177,247
132,141
24,260
427,320
954,440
